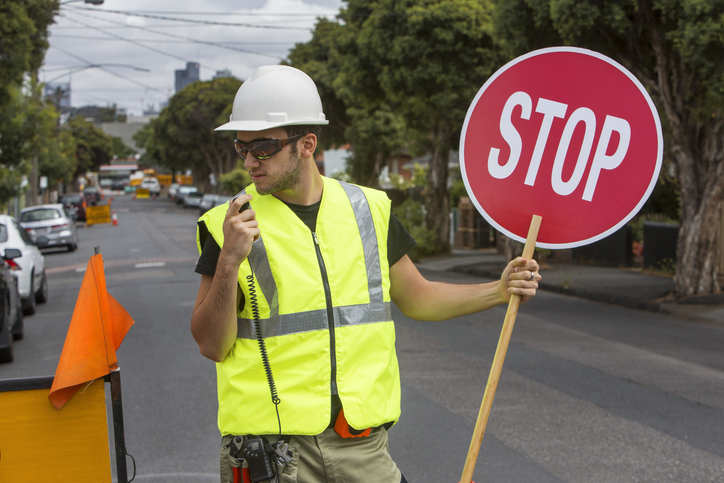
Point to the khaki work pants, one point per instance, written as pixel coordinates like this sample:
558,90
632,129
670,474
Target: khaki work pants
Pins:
327,457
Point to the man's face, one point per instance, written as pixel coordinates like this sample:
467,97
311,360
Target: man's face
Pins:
282,171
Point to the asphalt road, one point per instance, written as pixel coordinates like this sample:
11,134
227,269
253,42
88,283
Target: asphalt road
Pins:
589,392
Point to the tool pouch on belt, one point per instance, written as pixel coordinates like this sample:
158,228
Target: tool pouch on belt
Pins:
342,428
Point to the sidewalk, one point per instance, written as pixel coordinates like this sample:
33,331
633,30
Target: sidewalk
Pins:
626,287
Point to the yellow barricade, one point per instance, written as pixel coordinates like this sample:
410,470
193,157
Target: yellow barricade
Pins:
183,179
164,179
97,214
40,443
142,193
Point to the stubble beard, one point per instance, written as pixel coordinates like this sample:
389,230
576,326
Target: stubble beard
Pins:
288,179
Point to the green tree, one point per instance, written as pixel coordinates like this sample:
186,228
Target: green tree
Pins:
235,180
674,47
353,100
318,58
183,137
14,163
405,73
93,147
29,130
23,42
433,56
120,149
54,149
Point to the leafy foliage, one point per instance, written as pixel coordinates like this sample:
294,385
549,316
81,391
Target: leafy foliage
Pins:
93,147
235,181
403,73
674,48
411,214
23,39
183,137
26,125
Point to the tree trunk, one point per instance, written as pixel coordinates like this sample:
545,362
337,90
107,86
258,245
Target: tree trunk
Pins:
698,151
437,202
373,180
697,247
696,260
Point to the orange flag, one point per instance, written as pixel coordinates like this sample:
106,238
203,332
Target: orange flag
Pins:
96,331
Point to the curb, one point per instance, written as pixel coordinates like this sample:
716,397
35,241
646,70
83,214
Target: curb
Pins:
607,298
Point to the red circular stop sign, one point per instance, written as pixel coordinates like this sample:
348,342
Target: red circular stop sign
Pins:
564,133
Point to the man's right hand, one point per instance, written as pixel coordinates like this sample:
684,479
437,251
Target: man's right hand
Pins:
240,230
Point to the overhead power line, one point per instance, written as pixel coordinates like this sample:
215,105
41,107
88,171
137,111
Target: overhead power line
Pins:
204,22
166,41
179,37
108,70
131,41
222,14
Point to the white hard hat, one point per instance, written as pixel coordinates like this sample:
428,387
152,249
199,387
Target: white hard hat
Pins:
275,96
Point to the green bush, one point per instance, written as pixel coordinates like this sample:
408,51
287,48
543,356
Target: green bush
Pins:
412,216
235,180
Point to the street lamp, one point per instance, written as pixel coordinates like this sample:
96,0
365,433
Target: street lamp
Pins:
73,70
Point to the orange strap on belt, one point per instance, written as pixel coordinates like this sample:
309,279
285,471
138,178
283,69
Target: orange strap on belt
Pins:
342,428
241,475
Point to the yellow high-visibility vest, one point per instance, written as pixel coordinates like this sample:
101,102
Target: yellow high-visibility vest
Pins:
324,305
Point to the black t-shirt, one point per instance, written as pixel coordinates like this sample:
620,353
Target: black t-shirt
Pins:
399,241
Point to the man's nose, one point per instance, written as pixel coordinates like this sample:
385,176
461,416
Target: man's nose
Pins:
250,161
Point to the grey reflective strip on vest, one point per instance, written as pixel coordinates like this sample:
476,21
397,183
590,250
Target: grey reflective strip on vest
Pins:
367,232
376,311
286,324
263,277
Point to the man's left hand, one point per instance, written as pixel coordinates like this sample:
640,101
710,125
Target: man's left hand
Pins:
520,277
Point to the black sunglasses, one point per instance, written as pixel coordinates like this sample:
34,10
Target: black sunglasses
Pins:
263,149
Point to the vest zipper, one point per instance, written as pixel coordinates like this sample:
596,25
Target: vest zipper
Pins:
330,314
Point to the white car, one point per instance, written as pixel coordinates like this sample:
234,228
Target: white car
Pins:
29,268
152,185
50,226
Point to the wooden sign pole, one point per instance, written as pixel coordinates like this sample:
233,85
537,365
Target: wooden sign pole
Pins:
498,360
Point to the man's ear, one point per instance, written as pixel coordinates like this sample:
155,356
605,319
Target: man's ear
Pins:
309,145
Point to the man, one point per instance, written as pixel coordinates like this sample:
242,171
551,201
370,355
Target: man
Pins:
298,273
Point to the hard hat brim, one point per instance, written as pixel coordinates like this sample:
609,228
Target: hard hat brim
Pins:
263,125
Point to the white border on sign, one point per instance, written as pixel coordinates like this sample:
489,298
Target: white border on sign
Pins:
659,155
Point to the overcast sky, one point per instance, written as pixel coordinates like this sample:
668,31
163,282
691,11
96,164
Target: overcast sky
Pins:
123,38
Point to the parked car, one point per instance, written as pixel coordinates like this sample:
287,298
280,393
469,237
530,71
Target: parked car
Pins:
152,185
119,184
93,195
183,191
75,203
11,309
209,201
29,267
172,190
193,199
50,226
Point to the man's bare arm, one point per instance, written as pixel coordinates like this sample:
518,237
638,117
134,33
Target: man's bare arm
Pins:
213,322
421,299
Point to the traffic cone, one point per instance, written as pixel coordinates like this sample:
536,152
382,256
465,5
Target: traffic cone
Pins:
114,219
